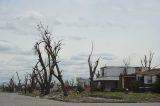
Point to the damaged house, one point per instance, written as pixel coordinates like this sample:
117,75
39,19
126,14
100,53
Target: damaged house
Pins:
116,77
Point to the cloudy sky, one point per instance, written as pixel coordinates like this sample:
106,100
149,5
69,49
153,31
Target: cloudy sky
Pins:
119,29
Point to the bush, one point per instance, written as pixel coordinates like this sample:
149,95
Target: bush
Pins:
134,85
80,89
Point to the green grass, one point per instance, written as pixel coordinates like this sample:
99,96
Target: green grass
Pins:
132,97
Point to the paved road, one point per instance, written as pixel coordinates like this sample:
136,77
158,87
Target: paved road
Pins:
12,99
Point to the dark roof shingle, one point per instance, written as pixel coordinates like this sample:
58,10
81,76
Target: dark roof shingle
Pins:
151,72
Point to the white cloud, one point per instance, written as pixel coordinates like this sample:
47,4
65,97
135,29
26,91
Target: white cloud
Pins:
57,21
105,56
22,24
9,48
68,37
31,16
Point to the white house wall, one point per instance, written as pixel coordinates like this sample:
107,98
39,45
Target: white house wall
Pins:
116,71
146,79
131,70
107,79
154,78
112,71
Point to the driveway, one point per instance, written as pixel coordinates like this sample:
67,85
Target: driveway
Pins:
12,99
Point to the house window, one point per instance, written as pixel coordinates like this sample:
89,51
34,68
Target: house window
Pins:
149,79
140,78
102,72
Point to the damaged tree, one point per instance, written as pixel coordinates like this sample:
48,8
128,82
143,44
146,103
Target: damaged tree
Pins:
92,69
45,70
42,79
11,85
19,86
126,62
25,83
33,82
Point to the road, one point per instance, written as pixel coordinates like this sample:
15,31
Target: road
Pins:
12,99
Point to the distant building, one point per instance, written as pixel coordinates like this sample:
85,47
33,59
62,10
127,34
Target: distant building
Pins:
84,83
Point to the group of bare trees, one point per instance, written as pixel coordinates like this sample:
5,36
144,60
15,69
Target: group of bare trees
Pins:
46,67
27,85
145,62
8,86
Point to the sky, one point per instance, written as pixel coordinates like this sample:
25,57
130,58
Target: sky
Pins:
118,28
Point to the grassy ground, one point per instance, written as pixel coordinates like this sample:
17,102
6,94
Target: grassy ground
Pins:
97,97
113,96
131,97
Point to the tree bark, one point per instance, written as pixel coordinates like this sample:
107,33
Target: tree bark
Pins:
63,87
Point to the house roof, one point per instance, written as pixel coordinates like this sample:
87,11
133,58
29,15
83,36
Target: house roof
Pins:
111,78
151,72
122,67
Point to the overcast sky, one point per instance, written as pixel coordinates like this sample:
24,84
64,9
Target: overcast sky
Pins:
119,29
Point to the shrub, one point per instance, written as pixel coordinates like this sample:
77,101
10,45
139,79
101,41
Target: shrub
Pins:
80,89
134,85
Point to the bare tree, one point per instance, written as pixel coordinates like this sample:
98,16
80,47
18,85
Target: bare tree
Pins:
92,69
42,79
72,83
50,67
98,74
19,82
32,81
43,76
144,61
25,83
11,85
147,62
151,54
126,62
